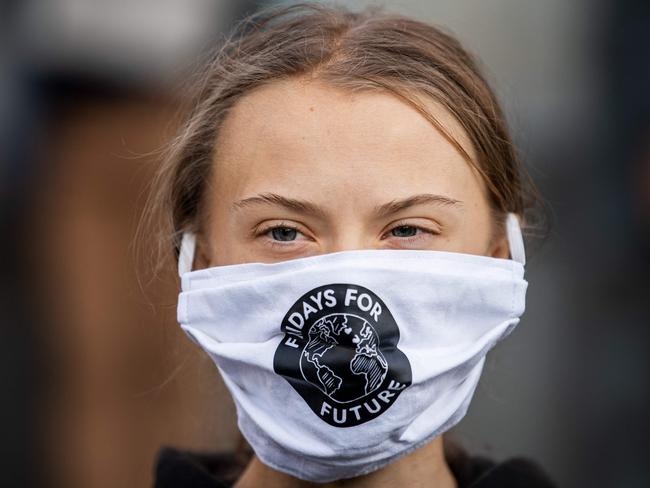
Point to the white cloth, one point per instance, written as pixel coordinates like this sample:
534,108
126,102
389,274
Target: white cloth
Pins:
341,363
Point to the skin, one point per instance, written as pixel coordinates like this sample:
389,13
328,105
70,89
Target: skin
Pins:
303,168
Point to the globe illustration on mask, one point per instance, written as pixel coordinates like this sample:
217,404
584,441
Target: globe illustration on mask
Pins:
342,357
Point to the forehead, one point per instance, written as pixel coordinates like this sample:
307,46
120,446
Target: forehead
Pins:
296,133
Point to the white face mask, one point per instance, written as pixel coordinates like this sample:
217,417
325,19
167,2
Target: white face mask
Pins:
342,362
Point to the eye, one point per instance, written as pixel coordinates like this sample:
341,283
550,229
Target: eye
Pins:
283,233
409,233
404,231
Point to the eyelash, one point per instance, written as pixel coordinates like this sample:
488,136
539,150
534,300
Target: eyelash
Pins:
273,243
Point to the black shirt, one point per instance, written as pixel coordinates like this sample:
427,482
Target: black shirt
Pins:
185,469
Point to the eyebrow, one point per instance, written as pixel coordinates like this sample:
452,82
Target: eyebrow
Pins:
307,207
395,206
302,206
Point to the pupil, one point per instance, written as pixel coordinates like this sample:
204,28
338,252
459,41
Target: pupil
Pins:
404,231
283,234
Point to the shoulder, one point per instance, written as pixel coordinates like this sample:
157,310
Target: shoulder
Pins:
176,467
517,472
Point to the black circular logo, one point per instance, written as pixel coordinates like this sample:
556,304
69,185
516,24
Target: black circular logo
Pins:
339,352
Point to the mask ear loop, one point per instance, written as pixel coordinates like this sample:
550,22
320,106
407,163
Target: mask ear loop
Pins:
186,253
515,239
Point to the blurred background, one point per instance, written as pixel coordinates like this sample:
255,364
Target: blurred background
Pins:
96,375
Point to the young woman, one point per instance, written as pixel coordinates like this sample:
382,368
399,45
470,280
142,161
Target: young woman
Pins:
345,203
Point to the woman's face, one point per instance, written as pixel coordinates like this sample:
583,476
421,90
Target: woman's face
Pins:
302,168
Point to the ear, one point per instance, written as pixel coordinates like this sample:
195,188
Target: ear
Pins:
201,254
499,247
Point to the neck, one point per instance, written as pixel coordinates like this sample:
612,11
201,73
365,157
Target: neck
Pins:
424,467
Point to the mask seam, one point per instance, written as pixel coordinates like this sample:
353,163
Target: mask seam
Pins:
508,263
242,276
